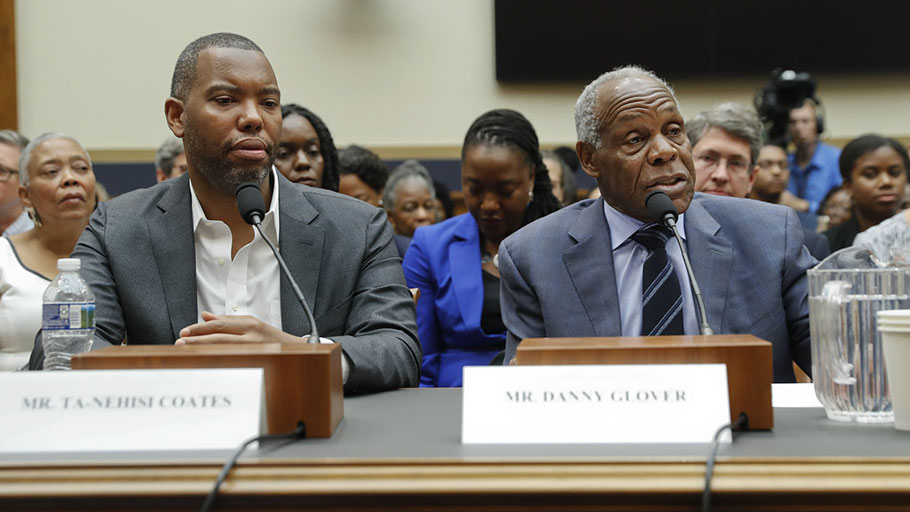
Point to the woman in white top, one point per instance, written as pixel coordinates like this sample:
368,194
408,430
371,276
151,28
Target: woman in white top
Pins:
57,186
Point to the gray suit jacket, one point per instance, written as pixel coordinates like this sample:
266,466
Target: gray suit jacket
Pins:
138,256
748,258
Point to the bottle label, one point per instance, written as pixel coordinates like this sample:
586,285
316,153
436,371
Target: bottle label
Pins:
69,315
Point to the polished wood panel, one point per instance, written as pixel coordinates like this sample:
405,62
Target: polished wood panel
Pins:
492,485
302,380
748,360
9,106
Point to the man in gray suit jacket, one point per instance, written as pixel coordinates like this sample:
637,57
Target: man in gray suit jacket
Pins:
142,253
748,257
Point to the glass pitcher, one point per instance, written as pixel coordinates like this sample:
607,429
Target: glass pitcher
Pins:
848,365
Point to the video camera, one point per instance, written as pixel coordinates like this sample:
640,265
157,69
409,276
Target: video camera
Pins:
786,91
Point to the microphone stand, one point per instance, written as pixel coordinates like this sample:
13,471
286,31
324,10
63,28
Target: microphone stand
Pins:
314,333
705,329
252,209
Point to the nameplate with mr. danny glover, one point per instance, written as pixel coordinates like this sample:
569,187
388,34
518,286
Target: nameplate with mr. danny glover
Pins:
130,410
667,403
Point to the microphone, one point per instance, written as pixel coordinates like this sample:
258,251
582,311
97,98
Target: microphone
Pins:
661,207
249,202
252,209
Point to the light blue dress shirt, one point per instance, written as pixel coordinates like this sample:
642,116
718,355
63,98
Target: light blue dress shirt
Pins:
814,181
628,263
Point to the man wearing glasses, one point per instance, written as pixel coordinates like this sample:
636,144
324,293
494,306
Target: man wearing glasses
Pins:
726,145
13,218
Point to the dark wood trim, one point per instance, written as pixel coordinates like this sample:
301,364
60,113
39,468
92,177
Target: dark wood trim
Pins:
665,484
9,111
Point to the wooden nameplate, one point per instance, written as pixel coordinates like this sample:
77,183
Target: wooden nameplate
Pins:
748,359
302,381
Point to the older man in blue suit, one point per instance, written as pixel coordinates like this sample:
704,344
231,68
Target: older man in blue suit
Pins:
582,271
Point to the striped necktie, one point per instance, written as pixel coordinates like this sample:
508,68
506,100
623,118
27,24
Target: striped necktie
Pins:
661,300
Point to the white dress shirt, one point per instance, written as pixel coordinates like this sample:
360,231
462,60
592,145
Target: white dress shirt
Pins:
628,264
248,284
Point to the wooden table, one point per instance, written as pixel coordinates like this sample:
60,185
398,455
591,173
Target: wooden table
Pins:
401,450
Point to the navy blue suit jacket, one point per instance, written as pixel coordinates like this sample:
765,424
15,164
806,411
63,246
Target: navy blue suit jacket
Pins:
748,257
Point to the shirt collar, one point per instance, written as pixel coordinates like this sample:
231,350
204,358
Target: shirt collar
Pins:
623,226
269,222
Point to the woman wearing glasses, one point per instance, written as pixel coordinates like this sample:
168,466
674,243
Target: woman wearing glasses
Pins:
57,186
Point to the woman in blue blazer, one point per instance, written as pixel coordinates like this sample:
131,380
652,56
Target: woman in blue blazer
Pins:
454,263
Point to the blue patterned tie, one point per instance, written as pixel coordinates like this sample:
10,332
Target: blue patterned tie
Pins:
661,300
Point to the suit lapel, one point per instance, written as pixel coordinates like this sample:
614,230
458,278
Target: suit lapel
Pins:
171,232
465,271
301,245
590,266
711,255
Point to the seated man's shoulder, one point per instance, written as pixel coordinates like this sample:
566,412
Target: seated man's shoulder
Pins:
746,220
135,202
334,208
553,229
829,150
739,209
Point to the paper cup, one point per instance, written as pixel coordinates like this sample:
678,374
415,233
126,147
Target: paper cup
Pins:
896,346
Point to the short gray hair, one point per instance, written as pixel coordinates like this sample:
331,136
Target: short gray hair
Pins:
41,139
408,170
167,152
587,126
13,138
738,121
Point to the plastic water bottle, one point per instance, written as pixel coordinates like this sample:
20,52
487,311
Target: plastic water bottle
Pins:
68,316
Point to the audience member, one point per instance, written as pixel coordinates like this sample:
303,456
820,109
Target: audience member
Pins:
363,174
772,175
455,263
445,207
770,183
570,158
748,256
307,152
725,143
836,209
170,160
561,176
178,262
58,190
13,218
410,201
874,170
813,166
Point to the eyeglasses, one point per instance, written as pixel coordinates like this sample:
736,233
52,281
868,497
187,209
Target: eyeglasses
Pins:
709,163
6,173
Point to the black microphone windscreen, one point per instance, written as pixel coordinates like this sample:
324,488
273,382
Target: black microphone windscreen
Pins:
660,205
249,202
